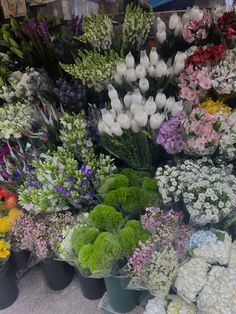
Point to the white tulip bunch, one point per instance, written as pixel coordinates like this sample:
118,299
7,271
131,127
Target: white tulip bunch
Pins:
134,112
148,67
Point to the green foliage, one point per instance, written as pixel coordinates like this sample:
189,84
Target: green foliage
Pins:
83,236
149,184
112,182
84,255
149,198
105,251
105,218
135,177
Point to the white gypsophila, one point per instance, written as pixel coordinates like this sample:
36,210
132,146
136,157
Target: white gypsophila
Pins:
180,306
156,306
15,120
223,74
219,294
215,252
191,279
162,271
232,255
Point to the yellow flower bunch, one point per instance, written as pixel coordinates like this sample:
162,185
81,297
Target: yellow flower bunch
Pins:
4,249
7,222
214,107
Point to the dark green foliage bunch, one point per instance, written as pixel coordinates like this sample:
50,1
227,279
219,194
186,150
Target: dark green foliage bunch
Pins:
130,191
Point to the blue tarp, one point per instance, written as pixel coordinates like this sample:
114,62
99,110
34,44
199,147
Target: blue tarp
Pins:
171,4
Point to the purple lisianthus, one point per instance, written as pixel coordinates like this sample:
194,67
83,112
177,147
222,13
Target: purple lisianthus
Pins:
170,135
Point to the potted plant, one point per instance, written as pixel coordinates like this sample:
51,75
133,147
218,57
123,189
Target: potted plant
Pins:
102,248
8,287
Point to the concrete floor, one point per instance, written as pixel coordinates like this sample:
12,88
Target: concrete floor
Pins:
36,298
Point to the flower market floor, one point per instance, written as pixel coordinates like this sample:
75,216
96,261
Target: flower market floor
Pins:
36,298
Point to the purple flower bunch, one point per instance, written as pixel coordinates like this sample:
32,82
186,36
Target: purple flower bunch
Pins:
170,136
142,256
41,233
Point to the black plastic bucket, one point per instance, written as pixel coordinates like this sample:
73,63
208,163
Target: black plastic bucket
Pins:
8,288
92,289
19,259
58,274
121,300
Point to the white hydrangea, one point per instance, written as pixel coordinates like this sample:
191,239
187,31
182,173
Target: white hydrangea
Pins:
219,294
232,256
191,279
156,306
179,306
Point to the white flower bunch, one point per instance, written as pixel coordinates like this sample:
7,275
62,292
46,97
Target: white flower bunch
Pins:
162,271
219,294
232,255
213,252
223,74
15,120
192,278
208,192
219,10
151,66
135,112
156,305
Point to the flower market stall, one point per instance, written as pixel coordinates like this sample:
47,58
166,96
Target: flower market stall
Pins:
117,157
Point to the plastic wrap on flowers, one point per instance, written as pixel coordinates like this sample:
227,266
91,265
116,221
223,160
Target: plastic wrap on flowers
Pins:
137,150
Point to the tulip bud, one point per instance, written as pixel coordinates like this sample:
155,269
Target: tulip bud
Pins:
116,104
116,129
161,36
141,118
179,28
137,97
177,107
140,71
124,121
144,85
107,117
117,78
144,60
185,18
107,130
113,113
134,126
180,57
101,126
121,69
161,26
112,92
160,100
170,102
150,106
151,71
173,21
131,75
129,60
195,13
153,56
178,67
156,120
161,69
128,99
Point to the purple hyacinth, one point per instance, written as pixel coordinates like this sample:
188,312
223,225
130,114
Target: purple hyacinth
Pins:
170,135
30,27
43,28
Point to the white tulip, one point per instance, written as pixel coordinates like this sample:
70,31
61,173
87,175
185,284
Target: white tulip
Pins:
150,106
107,130
116,104
179,67
151,71
179,29
107,117
185,18
124,121
112,92
173,21
131,75
160,100
195,13
153,56
128,99
177,107
140,71
161,69
101,126
160,24
137,97
180,57
116,129
144,85
117,78
129,60
170,71
134,126
144,60
121,68
170,102
113,113
156,120
134,108
161,36
141,118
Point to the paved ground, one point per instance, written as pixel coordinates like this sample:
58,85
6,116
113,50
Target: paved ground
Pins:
36,298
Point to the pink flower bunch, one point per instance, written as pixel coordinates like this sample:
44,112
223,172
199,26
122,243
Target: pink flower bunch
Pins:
197,29
22,232
201,131
193,83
